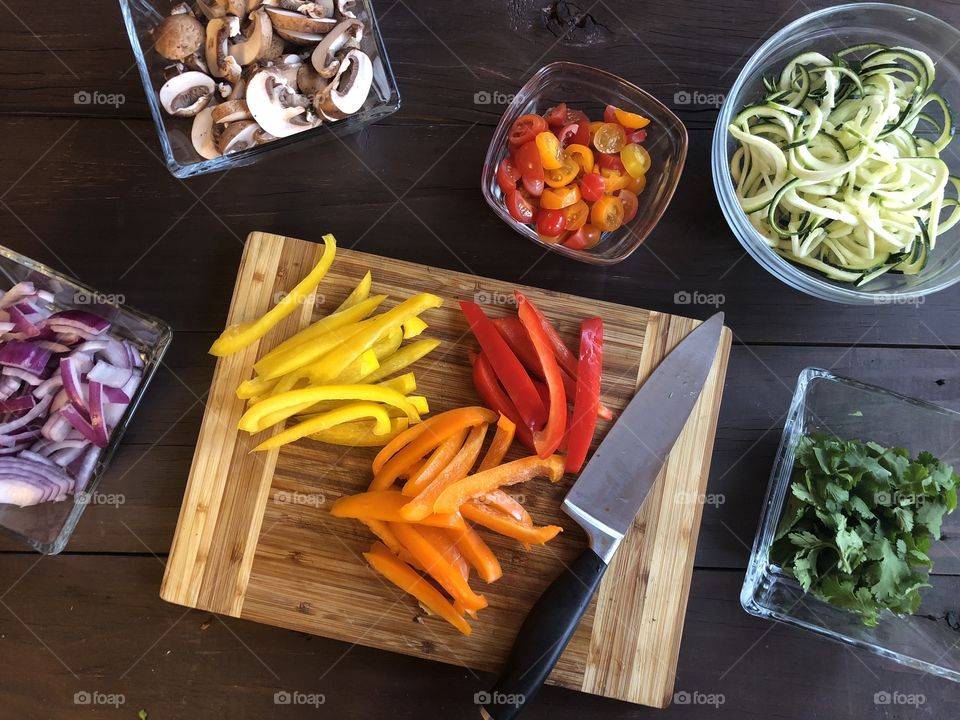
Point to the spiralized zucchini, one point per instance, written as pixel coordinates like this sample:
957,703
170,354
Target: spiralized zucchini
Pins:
839,167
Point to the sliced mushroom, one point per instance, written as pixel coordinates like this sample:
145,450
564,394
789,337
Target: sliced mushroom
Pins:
237,136
203,134
212,8
309,81
349,89
178,36
197,62
293,21
257,37
277,46
219,32
345,8
237,8
347,34
261,136
289,66
238,91
276,105
231,111
181,9
322,9
186,94
298,38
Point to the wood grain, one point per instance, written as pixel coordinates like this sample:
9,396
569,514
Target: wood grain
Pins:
258,542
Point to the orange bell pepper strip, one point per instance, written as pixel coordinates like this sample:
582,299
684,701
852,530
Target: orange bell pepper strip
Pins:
547,439
410,446
404,577
500,444
421,506
437,566
509,473
419,480
385,534
506,504
507,526
237,337
477,553
385,505
446,546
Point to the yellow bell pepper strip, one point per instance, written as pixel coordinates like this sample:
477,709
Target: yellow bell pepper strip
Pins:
509,473
500,501
418,480
413,327
437,566
385,505
547,439
347,413
444,544
507,526
289,402
360,433
337,359
477,553
362,366
360,293
304,353
501,442
403,384
408,580
422,504
404,357
388,344
435,431
237,337
255,387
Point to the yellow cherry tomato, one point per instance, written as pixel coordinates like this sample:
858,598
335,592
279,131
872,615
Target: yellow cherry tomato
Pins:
613,180
631,120
594,127
637,184
549,148
559,198
607,213
582,156
635,159
564,175
610,138
576,215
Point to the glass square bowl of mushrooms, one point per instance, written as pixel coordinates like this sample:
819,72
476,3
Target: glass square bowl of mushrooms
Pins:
228,80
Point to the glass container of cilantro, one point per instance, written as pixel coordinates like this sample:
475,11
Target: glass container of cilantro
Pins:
859,540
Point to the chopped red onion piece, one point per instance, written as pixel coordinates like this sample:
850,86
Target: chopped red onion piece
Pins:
17,404
25,356
56,428
107,374
37,410
97,420
71,383
116,395
27,377
52,346
80,423
85,322
13,295
48,386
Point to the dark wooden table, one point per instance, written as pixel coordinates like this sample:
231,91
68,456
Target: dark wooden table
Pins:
83,189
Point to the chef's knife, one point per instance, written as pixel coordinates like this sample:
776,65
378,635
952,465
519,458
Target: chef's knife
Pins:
604,502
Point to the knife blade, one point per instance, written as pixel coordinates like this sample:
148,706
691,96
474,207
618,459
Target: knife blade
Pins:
604,501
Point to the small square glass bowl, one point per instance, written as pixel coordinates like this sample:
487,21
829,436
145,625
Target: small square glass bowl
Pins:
141,16
48,526
590,90
928,640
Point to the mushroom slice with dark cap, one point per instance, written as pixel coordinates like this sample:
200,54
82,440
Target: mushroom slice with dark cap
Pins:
346,34
221,62
276,105
349,89
186,94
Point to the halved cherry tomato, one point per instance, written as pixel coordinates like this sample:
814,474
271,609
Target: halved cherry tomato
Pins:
520,209
563,175
631,121
551,222
576,215
630,204
582,156
592,186
525,128
507,175
527,159
549,149
559,198
569,134
637,185
556,116
583,239
610,114
533,187
636,136
609,138
577,116
635,159
553,240
613,180
593,128
610,162
607,213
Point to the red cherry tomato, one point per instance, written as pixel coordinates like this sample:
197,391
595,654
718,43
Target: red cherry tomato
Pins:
528,161
568,134
507,175
533,187
636,136
630,204
520,208
525,128
551,222
556,116
610,114
577,116
592,186
610,162
583,239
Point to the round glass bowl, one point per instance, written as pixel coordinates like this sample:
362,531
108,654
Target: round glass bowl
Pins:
827,31
591,90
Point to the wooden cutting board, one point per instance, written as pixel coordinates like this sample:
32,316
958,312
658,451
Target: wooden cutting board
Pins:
255,538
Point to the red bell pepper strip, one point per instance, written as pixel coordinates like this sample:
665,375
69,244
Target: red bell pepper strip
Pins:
493,396
547,440
584,419
507,367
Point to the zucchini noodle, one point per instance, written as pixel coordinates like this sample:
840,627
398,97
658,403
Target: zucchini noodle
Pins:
839,167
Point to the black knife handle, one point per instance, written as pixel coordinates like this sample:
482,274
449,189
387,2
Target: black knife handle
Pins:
543,637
